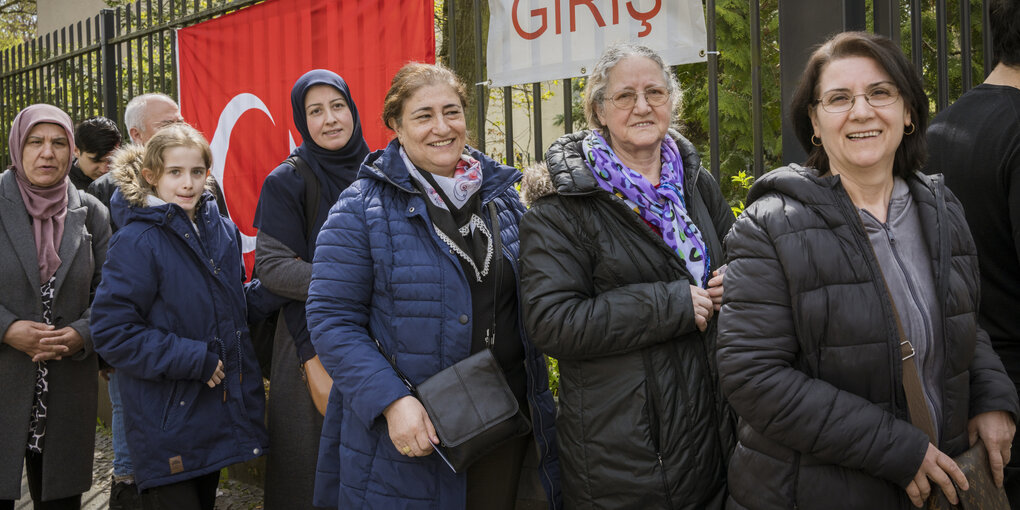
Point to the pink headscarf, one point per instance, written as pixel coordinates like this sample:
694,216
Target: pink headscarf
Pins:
46,206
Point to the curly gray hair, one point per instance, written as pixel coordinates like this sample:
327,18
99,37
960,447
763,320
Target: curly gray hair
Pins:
598,81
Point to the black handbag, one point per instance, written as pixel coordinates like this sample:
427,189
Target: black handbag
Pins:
470,404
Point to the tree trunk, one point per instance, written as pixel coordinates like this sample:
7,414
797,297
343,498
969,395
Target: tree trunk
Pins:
465,59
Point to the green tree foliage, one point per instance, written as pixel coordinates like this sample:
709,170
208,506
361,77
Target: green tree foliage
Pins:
17,22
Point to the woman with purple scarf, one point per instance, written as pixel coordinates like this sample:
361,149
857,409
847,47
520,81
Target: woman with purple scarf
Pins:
619,280
53,239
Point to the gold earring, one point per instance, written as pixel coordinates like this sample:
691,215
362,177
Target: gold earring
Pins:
912,129
813,142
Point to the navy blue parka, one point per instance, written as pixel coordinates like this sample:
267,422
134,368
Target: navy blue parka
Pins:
171,304
381,272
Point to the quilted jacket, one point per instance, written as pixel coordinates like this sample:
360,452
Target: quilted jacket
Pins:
641,422
809,352
380,272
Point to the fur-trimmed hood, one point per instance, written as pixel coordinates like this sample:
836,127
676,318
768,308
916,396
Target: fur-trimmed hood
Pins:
126,167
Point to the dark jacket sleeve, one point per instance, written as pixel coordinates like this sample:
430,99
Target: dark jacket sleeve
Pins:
718,207
98,221
563,314
123,336
990,386
339,306
757,355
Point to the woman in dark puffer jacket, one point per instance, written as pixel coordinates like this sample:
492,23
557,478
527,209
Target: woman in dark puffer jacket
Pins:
614,286
823,263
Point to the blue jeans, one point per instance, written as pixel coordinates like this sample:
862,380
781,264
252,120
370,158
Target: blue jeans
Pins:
121,456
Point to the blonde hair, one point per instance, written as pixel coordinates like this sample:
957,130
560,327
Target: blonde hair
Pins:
174,135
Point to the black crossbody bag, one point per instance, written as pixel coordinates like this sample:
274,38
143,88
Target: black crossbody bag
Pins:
470,404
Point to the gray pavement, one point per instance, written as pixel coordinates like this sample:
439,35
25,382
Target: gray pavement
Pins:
232,495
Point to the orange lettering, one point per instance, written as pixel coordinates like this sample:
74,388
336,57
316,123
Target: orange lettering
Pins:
594,11
535,13
643,17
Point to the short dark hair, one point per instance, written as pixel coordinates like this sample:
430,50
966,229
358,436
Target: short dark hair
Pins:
1004,22
913,149
98,135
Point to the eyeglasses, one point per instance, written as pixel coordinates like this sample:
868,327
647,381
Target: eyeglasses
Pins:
839,101
626,99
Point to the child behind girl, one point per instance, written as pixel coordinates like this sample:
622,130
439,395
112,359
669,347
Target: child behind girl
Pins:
171,317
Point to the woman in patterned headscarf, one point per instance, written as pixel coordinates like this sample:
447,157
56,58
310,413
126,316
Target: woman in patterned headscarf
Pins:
617,261
54,239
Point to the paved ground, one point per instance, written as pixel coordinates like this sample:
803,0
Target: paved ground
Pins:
232,495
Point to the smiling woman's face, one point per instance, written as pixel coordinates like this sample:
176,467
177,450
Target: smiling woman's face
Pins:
866,137
433,130
46,155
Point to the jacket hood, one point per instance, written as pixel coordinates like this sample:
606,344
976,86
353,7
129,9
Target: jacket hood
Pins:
568,173
806,185
387,165
126,167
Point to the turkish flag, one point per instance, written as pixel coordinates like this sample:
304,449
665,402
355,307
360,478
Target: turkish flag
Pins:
235,74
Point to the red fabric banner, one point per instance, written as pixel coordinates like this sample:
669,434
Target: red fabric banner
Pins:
235,75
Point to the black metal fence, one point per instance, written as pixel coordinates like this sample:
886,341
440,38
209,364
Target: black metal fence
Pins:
94,67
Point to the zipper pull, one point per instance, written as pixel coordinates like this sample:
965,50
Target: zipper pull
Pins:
224,393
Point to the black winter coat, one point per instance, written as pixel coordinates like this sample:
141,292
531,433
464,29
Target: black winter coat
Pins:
809,349
641,423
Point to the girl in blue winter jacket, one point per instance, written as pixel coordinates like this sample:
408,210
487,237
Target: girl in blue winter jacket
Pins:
171,317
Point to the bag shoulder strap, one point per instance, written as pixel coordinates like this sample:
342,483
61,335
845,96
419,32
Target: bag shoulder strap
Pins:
917,405
311,191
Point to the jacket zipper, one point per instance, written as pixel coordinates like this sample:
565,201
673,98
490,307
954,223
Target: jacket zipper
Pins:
924,320
653,423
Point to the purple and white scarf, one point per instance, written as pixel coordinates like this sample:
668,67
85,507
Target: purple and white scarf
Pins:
663,206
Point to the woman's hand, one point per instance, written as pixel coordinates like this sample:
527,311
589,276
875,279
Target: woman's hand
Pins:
995,429
28,337
67,337
702,307
410,428
217,376
939,468
715,287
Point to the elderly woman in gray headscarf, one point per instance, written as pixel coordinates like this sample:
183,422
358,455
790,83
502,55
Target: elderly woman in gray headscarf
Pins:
54,240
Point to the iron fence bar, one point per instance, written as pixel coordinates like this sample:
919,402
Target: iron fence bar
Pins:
886,14
965,63
173,68
479,87
508,125
756,114
162,47
63,69
536,106
942,67
713,93
568,106
88,60
130,54
78,76
916,43
109,81
152,72
986,36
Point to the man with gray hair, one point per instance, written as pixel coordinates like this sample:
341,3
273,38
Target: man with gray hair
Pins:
144,115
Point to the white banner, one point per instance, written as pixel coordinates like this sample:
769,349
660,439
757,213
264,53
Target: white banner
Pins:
539,40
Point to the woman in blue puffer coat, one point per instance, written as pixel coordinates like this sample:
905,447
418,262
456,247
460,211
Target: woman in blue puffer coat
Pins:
171,317
406,258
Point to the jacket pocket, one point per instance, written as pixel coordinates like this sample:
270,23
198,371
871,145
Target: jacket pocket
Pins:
171,404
